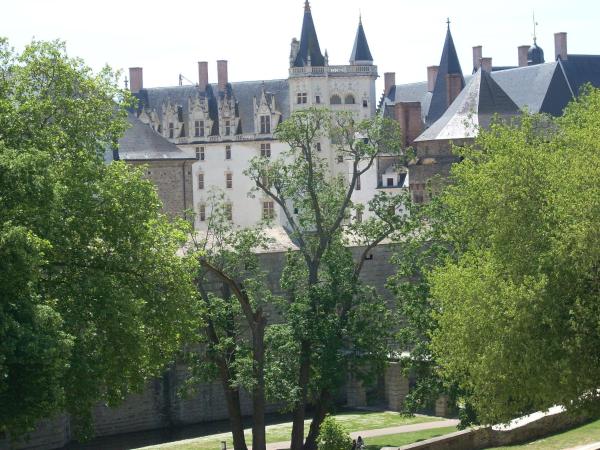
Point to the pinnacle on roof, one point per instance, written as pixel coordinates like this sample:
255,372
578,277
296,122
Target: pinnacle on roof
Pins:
449,65
309,52
535,54
360,52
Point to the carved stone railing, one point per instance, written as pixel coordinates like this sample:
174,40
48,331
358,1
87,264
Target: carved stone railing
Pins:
332,70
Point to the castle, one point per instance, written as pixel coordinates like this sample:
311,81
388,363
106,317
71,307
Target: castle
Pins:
199,137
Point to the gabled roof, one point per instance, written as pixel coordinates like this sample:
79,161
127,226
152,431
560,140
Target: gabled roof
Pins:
449,64
581,69
309,43
360,51
474,107
142,143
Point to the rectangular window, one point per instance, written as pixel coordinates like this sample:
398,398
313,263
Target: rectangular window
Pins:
340,158
202,213
318,99
171,130
229,180
268,210
365,104
265,124
301,98
359,216
197,128
200,153
358,183
229,212
318,146
200,181
228,152
265,150
227,128
390,182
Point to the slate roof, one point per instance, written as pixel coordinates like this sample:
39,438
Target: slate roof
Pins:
309,43
412,92
243,93
140,142
449,64
474,107
360,51
581,69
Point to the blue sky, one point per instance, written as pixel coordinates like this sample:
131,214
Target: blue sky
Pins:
168,37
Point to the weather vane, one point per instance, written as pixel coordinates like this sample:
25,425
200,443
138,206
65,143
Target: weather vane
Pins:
534,30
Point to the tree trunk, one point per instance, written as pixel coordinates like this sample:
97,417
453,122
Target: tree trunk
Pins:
321,409
259,441
232,397
299,412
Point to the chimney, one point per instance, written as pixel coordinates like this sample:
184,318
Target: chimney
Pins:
222,74
408,115
486,64
477,55
136,79
389,80
523,55
453,86
560,46
432,72
202,74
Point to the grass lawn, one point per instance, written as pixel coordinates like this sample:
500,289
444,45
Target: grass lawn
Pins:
355,420
585,434
396,440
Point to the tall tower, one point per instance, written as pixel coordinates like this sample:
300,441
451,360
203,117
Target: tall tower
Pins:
314,82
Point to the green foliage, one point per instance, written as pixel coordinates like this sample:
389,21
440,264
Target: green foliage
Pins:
93,298
518,309
333,436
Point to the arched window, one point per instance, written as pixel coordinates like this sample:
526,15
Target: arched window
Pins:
335,100
349,100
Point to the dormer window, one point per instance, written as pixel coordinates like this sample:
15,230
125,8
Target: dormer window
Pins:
227,127
302,98
199,128
265,124
171,130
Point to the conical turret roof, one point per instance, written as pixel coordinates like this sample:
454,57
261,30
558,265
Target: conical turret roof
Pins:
309,43
449,65
360,52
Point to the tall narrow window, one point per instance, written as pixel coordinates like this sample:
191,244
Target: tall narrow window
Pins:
390,182
200,181
317,99
229,180
318,146
265,124
365,104
359,216
200,153
227,128
229,211
265,150
197,128
182,134
268,212
171,130
202,212
228,152
358,183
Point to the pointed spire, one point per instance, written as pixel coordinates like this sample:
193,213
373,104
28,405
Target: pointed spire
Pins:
309,51
449,82
361,55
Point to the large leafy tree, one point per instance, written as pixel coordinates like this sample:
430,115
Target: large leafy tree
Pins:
518,310
93,298
328,309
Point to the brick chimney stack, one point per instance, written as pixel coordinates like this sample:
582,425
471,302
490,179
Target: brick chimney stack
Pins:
389,80
222,74
486,64
477,55
523,55
136,79
560,46
432,72
202,74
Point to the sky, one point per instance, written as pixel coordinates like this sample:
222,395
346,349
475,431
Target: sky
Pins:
168,37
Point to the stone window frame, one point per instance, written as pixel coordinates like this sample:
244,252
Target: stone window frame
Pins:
200,153
201,181
268,209
228,152
358,184
198,128
265,150
228,207
227,127
202,212
301,98
335,99
265,124
349,99
229,180
171,130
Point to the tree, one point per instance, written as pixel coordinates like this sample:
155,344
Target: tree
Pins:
327,304
333,436
235,321
518,310
94,299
